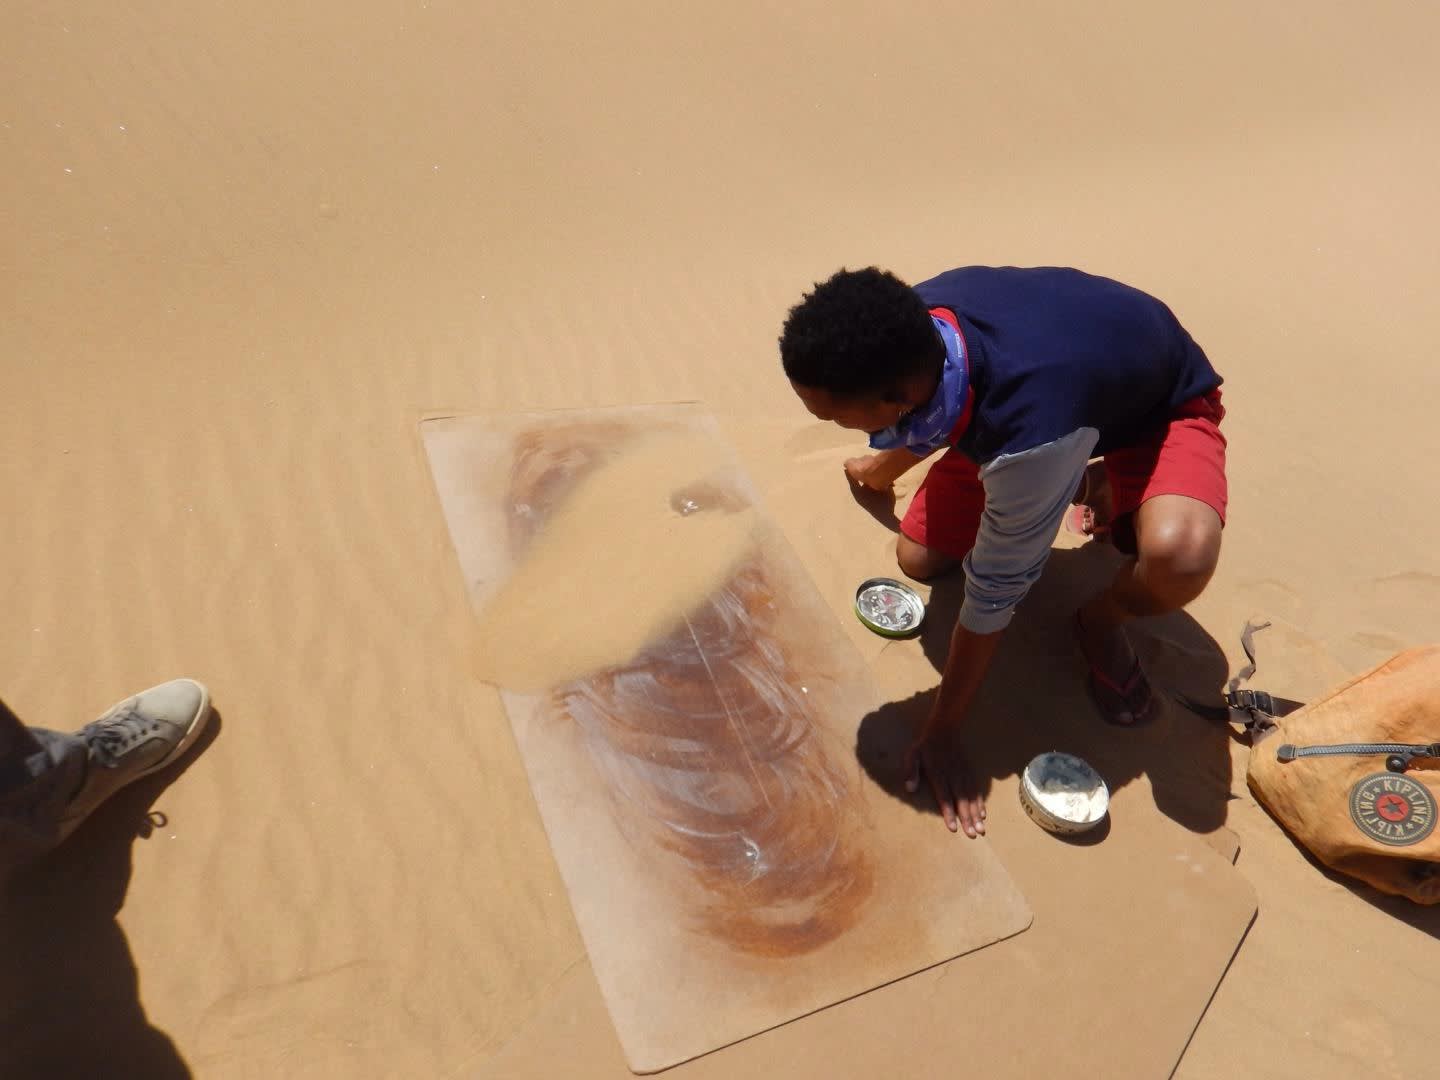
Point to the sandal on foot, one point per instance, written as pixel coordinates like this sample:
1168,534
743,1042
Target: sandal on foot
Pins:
1135,697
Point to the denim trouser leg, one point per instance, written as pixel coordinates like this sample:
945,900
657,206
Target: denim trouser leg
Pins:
39,772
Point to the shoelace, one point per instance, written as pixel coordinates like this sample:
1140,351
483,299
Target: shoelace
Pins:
118,733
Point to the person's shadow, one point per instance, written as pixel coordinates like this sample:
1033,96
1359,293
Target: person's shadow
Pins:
69,992
1034,699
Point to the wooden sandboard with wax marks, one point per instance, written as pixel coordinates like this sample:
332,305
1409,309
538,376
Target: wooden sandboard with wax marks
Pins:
686,708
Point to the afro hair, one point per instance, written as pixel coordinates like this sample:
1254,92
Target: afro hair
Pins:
858,334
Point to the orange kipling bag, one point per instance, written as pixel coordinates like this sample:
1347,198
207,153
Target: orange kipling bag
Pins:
1355,776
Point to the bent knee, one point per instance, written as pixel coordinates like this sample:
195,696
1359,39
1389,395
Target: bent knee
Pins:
920,562
1182,550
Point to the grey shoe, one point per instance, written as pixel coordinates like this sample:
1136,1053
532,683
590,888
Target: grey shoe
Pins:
137,737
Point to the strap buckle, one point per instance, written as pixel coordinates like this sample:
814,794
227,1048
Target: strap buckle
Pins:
1251,701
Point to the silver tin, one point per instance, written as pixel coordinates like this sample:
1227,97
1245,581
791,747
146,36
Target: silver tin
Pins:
889,607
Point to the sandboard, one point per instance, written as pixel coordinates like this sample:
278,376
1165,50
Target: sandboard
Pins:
686,708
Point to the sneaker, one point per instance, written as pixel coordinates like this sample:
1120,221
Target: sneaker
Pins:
139,736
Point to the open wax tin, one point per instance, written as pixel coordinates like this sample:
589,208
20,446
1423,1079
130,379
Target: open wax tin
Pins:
889,607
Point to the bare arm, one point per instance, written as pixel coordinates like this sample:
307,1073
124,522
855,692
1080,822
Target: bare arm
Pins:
1025,497
880,470
965,668
935,750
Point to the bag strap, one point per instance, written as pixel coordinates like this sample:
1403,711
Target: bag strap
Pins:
1258,707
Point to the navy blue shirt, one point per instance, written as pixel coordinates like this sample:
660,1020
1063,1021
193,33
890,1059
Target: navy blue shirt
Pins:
1052,350
1065,366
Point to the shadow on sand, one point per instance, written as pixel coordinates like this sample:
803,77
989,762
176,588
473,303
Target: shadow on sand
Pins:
1035,699
67,979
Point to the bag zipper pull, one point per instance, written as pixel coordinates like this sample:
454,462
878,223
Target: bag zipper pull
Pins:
1398,755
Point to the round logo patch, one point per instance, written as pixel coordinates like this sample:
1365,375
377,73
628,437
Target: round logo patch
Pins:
1392,809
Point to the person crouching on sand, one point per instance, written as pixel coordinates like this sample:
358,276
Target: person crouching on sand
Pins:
1022,377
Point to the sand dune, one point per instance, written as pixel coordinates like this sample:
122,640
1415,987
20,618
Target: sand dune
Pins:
244,250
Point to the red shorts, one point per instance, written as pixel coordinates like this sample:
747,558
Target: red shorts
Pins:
1187,457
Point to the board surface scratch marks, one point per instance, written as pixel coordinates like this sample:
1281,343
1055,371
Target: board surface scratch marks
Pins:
686,708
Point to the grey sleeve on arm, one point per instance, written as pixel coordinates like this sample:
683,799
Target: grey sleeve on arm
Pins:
1026,495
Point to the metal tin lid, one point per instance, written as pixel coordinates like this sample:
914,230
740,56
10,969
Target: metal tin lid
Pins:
889,607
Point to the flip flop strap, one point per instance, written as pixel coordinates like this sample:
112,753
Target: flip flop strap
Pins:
1125,692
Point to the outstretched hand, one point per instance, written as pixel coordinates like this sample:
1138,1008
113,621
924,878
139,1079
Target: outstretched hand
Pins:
941,763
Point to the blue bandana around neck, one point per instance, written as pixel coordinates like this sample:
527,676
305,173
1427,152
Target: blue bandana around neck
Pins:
928,427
